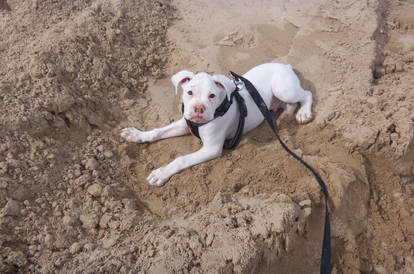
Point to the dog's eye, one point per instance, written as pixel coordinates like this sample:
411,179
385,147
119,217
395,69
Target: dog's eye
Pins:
212,96
190,92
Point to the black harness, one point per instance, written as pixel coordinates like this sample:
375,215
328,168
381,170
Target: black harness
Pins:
325,267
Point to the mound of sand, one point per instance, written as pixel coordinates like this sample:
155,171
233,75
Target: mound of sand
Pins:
73,195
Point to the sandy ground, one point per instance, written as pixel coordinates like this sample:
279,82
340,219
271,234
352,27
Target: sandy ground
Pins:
73,195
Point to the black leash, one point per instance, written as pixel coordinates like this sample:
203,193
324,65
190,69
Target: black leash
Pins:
325,267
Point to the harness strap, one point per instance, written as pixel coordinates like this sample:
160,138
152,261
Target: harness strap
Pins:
325,267
193,127
243,114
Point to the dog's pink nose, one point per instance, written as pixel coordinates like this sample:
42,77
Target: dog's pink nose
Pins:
199,109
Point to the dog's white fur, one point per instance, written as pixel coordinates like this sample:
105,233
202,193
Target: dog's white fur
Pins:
203,93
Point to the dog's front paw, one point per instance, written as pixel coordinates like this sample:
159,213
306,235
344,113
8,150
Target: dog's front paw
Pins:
132,134
158,177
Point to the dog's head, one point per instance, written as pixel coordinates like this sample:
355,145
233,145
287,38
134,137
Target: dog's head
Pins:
202,93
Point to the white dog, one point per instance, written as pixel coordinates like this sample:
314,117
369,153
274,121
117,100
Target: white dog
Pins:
203,93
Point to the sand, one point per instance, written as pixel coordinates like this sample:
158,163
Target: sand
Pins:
73,194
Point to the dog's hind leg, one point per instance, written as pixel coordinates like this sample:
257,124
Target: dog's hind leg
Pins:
304,114
286,87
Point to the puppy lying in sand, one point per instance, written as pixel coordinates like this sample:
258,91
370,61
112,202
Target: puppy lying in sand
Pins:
204,93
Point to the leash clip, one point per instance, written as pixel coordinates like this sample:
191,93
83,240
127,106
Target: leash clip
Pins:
239,84
237,81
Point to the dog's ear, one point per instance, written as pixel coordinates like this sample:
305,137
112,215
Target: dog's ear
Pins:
180,78
224,83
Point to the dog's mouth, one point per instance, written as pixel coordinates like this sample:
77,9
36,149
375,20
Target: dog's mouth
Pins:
198,119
